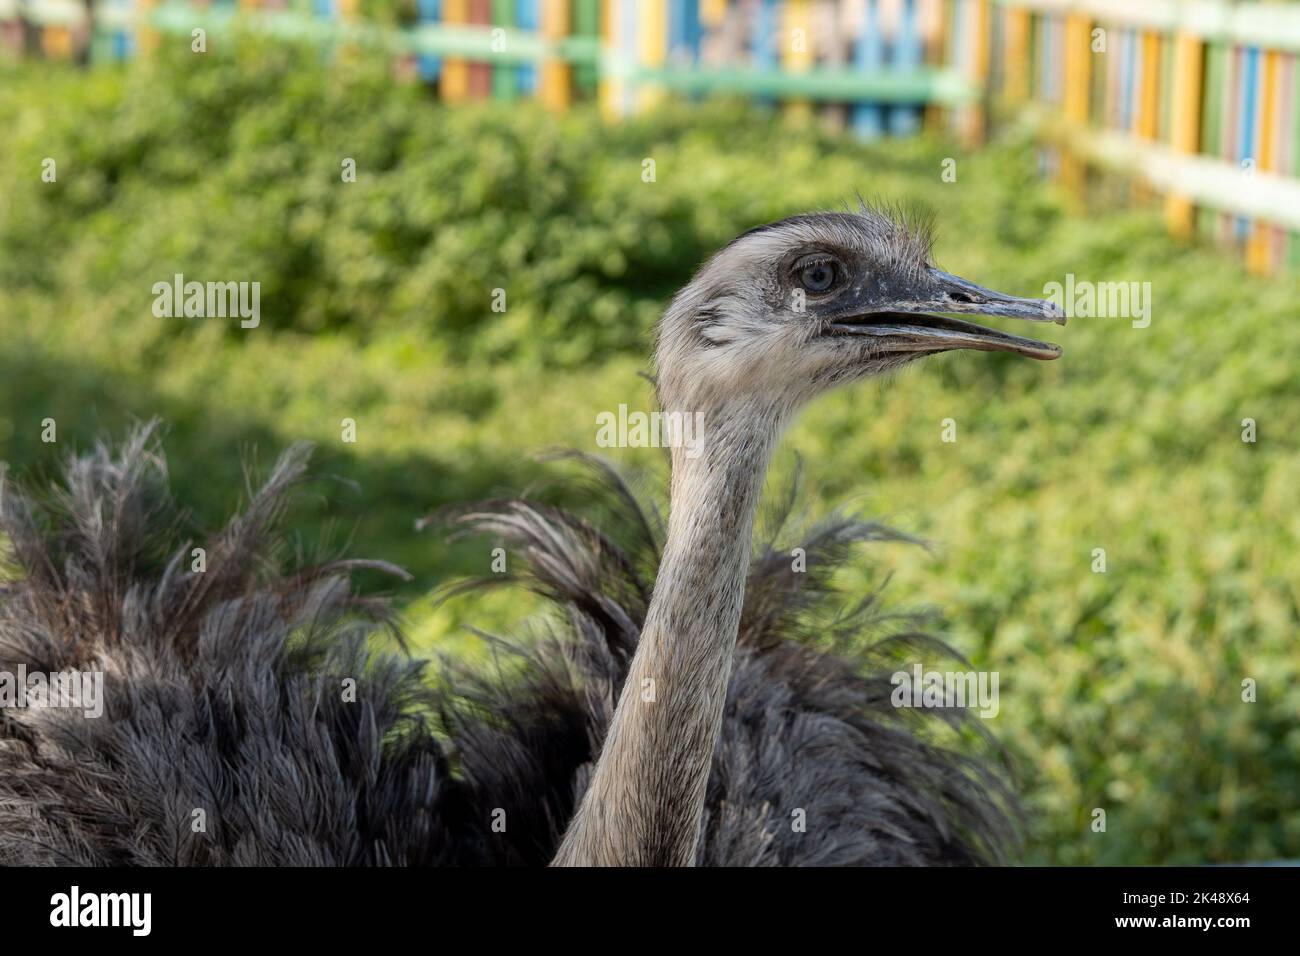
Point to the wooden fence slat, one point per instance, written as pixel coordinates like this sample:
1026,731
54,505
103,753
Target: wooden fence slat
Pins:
1017,69
797,51
480,72
1259,249
908,49
528,16
429,67
1078,61
455,70
556,90
868,56
505,79
1185,131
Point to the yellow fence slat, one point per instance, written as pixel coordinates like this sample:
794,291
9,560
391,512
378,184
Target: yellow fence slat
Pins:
1078,67
455,70
146,37
1185,135
555,80
652,46
609,88
56,42
976,21
1259,248
1017,69
797,51
713,12
1148,105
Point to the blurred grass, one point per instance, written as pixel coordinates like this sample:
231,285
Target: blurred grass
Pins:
1119,690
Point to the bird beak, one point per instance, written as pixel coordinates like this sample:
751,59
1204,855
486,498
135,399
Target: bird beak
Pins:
907,323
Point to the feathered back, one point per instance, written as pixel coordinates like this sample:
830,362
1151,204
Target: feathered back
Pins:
225,737
808,724
246,721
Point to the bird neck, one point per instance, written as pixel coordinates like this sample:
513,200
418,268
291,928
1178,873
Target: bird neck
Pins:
644,804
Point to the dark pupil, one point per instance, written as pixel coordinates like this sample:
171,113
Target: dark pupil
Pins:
818,277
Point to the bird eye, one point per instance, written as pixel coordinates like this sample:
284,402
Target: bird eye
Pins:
817,277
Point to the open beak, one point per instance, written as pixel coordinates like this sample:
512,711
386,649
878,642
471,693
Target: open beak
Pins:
908,323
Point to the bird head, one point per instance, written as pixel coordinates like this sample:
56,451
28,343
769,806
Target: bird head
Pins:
792,309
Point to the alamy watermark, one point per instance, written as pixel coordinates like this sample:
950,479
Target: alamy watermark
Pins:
1102,300
637,429
68,690
133,911
924,689
209,300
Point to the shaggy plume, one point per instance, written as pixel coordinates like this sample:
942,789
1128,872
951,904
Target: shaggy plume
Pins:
225,737
225,697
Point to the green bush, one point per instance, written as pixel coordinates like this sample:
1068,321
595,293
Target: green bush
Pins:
1120,690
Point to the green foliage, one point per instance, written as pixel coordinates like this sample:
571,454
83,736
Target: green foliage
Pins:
1120,690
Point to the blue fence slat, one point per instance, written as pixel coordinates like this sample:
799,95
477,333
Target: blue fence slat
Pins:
869,57
692,33
684,31
907,55
528,16
1246,129
767,41
428,66
1128,80
123,45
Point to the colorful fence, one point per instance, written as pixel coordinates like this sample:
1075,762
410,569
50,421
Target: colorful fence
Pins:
1197,99
1200,100
874,63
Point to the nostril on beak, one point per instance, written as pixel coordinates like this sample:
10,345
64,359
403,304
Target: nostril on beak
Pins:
961,297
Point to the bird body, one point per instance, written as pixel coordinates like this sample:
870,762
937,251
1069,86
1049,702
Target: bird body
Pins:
673,710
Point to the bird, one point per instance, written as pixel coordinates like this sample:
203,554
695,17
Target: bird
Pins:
690,698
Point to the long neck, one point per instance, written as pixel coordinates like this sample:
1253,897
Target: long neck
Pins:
646,796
